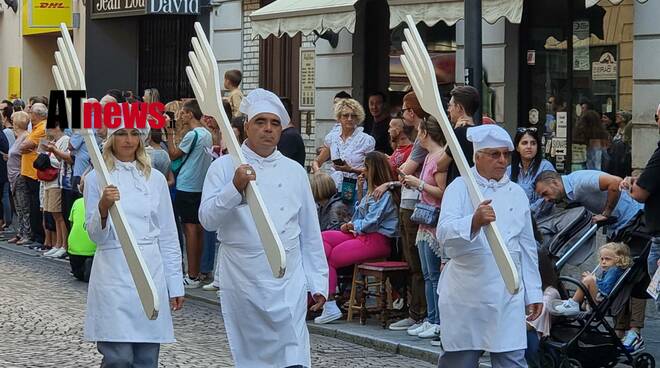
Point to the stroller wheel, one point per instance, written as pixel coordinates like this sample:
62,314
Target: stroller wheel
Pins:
644,360
570,363
548,360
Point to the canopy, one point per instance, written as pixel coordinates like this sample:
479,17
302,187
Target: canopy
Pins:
292,16
451,11
306,16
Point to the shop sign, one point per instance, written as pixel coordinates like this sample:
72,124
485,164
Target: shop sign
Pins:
531,57
562,124
45,16
581,49
307,74
605,68
123,8
117,8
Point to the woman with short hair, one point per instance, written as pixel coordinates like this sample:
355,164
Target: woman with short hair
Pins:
349,146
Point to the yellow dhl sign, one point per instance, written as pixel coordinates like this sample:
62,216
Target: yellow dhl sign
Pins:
45,16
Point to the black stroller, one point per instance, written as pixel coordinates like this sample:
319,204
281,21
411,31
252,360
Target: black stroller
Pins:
569,236
588,339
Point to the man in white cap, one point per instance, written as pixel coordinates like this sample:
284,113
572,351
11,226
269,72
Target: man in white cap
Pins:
477,313
265,316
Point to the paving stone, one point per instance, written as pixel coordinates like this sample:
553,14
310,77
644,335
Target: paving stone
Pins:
41,321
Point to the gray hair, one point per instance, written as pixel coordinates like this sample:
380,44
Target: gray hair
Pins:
40,110
547,176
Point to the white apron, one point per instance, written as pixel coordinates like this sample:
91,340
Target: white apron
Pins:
114,312
476,310
264,316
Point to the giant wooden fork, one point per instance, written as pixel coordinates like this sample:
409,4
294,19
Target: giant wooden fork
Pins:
205,78
68,77
421,73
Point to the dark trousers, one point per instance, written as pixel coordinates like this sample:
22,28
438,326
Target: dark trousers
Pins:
35,214
408,230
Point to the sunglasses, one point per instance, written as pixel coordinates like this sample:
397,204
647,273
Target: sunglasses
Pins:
346,116
525,130
495,155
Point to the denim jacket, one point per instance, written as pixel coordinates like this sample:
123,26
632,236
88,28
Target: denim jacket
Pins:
380,216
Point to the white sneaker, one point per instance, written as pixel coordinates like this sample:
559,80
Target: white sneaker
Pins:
189,283
210,287
403,324
417,328
50,252
565,308
430,332
59,253
436,341
330,313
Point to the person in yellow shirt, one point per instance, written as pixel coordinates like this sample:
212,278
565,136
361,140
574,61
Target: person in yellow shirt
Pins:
28,149
232,82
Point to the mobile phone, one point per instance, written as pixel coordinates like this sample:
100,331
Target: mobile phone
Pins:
339,162
170,114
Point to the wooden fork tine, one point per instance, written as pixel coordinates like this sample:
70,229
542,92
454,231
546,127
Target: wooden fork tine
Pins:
197,89
203,61
410,58
197,68
412,76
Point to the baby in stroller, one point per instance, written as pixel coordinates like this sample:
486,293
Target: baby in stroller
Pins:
614,260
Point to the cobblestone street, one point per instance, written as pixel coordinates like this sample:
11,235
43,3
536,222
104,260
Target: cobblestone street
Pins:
42,318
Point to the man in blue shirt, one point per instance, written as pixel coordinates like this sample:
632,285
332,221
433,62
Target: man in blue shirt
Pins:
189,182
595,190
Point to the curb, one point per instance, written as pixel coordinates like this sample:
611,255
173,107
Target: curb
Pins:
375,343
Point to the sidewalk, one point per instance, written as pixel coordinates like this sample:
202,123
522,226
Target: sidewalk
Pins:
373,336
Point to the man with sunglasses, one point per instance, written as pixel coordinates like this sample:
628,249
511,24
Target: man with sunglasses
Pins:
477,313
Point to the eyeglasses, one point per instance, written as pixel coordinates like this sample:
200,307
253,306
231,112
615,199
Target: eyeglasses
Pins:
348,115
495,155
526,129
407,109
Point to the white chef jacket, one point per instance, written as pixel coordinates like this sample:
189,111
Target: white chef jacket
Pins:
114,311
476,310
264,316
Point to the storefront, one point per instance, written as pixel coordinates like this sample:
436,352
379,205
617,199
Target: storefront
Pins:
575,58
138,44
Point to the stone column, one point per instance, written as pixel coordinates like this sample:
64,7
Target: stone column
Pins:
646,81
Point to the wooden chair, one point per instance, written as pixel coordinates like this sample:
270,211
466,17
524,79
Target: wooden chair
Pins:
383,273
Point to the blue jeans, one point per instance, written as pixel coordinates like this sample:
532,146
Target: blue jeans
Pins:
208,252
431,272
128,355
654,256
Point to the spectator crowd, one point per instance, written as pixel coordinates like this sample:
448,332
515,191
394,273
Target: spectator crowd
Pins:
378,180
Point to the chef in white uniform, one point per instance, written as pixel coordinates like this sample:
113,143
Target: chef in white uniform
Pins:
477,313
265,316
115,319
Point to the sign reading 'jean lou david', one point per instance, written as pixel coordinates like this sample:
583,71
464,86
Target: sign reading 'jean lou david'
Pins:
124,8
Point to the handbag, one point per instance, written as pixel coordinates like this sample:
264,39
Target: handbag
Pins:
178,163
42,161
45,172
425,214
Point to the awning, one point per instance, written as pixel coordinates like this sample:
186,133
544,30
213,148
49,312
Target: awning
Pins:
451,11
590,3
292,16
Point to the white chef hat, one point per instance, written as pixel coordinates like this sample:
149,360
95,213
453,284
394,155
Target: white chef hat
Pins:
144,132
489,136
262,101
